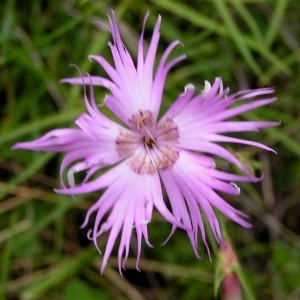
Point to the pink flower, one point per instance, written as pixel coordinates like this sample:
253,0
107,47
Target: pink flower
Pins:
144,153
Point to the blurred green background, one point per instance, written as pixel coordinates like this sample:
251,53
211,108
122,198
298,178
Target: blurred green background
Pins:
43,252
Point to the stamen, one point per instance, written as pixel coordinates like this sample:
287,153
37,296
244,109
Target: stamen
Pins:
148,132
140,121
158,153
150,155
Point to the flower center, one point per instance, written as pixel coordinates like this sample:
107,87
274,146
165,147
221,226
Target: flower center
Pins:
152,146
148,142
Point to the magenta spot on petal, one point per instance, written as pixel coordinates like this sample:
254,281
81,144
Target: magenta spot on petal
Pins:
125,143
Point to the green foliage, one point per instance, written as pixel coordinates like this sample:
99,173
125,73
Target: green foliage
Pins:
78,290
43,252
286,266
